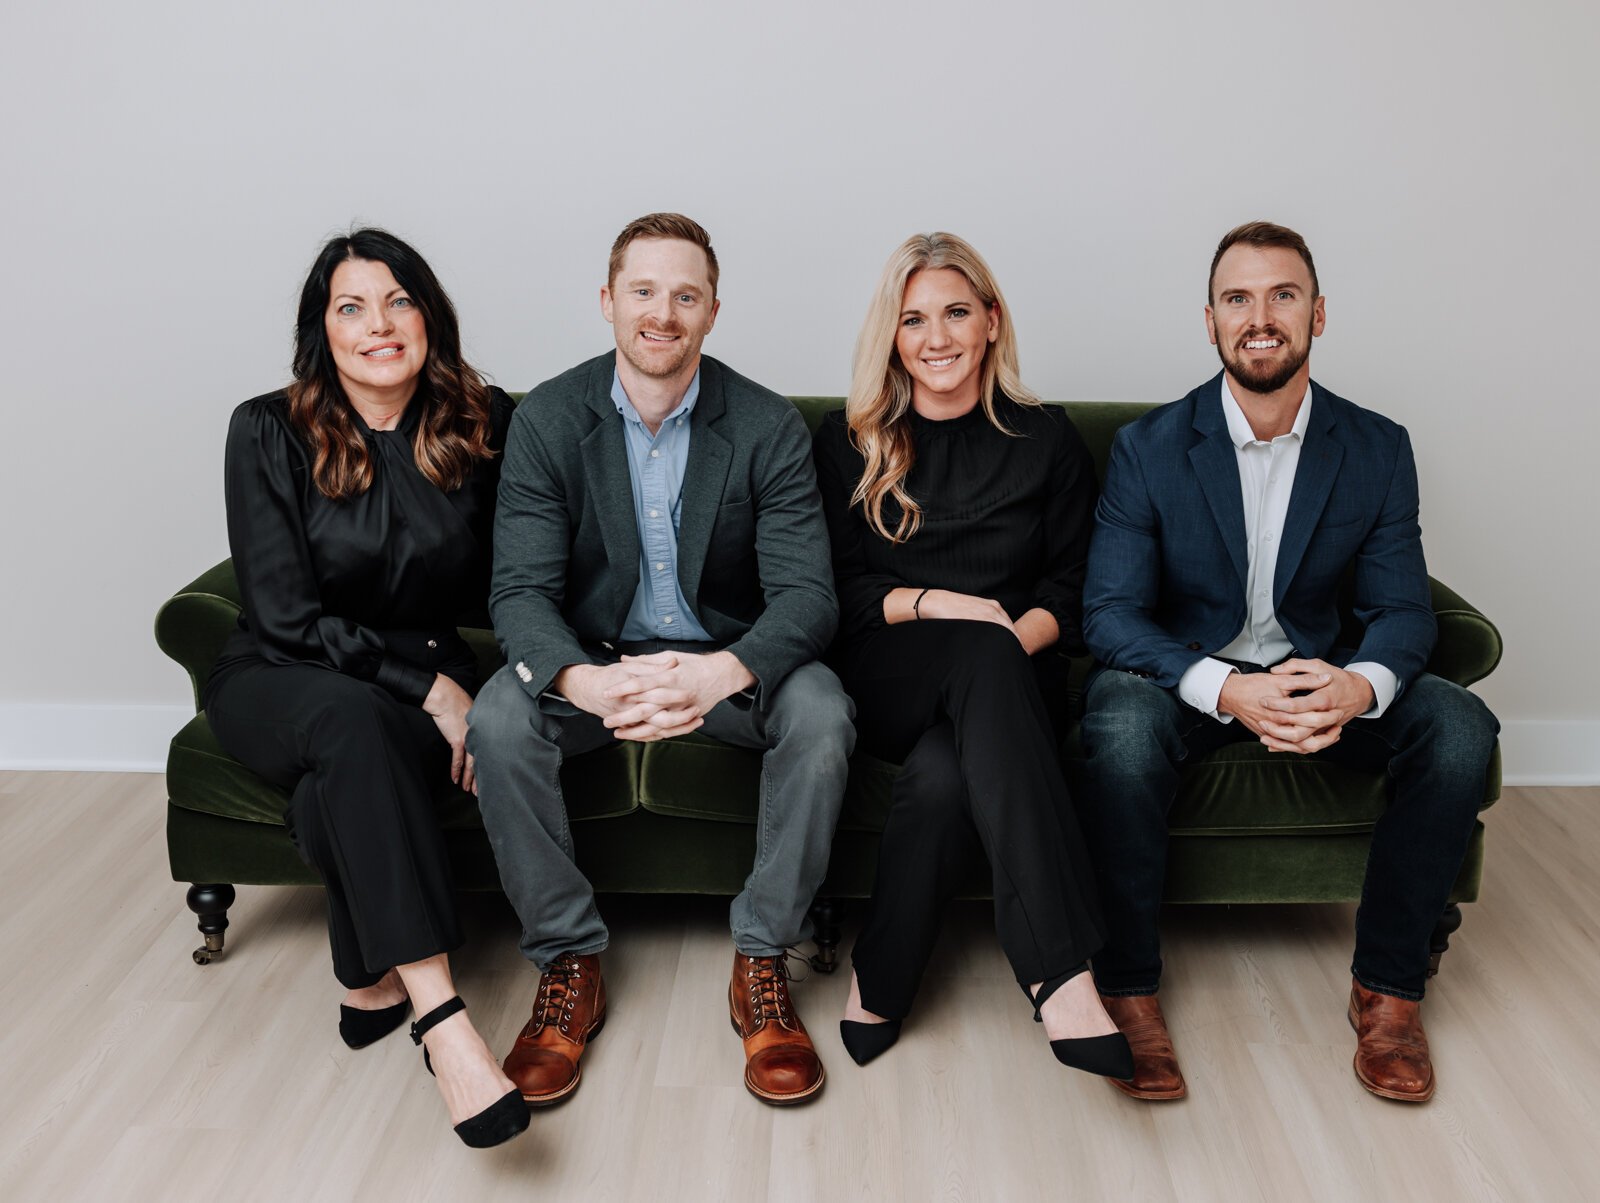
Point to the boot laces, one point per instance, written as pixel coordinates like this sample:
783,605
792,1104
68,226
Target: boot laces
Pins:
558,993
768,979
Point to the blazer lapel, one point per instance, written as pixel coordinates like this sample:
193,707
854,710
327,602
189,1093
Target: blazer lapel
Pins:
1313,481
1216,465
605,472
704,479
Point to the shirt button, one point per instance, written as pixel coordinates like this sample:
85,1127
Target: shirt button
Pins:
667,621
654,514
660,567
654,454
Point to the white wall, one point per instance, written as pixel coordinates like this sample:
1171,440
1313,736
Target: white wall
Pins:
170,169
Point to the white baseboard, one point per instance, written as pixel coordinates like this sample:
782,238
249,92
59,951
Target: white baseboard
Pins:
1550,752
88,737
133,739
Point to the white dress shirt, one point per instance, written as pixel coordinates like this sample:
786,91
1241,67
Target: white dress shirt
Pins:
1266,480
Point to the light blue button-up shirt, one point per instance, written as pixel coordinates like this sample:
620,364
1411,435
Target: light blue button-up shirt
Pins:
656,466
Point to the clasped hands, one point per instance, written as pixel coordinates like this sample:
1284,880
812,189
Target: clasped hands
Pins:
1328,698
658,696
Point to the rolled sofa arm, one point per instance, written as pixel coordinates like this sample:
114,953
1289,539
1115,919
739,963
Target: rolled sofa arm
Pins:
1469,644
194,622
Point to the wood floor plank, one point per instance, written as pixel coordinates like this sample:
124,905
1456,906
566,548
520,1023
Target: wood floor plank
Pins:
133,1074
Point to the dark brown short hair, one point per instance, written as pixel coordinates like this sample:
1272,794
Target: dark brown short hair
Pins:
1263,233
663,225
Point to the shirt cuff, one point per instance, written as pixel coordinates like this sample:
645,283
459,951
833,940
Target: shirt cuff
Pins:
1384,685
1201,686
405,680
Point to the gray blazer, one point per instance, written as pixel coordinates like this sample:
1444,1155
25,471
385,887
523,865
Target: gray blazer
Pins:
753,556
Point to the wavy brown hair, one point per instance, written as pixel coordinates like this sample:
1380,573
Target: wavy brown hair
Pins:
454,427
880,386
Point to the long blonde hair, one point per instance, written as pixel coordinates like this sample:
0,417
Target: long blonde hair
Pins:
880,386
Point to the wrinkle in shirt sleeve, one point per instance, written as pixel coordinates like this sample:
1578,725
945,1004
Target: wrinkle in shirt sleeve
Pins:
272,561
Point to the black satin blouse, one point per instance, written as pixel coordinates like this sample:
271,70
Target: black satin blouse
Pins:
374,585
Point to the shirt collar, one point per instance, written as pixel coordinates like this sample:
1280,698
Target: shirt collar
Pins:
619,398
1239,431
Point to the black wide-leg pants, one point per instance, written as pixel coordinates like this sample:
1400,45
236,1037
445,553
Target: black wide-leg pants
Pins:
960,706
359,763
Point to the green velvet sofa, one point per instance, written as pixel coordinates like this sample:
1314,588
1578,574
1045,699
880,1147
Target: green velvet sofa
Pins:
677,816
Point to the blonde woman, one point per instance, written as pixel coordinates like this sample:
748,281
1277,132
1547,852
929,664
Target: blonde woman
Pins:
959,509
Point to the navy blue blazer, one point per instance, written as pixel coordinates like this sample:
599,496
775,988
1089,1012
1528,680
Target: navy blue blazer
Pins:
1167,564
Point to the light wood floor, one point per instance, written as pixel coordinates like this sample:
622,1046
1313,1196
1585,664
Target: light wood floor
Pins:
132,1074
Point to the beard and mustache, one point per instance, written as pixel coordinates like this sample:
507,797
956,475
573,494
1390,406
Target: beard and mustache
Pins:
668,358
1267,376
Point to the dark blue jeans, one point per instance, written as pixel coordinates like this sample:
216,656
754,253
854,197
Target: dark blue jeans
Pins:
1434,742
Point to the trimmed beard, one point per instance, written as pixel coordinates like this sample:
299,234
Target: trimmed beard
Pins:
660,370
1265,378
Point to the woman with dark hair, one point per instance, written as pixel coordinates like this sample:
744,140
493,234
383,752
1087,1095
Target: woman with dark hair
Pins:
360,505
959,508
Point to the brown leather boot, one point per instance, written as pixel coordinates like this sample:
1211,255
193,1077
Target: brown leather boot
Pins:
781,1064
568,1011
1155,1062
1391,1048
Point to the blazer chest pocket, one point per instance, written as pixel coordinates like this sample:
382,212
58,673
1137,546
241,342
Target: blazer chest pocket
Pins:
1340,531
734,535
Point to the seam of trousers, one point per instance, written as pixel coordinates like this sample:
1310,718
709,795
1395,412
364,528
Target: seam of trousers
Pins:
344,875
303,741
763,843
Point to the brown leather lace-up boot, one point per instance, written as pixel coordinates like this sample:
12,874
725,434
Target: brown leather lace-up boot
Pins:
1391,1048
781,1064
568,1011
1156,1075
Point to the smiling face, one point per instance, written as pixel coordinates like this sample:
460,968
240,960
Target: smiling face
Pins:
1263,316
376,333
661,306
943,336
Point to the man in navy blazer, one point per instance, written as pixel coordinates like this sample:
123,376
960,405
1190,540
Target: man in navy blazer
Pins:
1232,524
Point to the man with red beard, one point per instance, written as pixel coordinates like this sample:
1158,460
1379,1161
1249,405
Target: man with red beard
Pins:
661,566
1228,523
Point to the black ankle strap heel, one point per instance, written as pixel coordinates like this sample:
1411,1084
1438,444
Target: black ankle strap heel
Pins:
502,1119
1109,1055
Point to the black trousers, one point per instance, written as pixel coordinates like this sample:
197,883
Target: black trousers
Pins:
360,765
960,705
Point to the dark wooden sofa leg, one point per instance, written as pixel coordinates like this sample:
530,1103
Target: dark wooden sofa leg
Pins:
211,903
825,914
1439,944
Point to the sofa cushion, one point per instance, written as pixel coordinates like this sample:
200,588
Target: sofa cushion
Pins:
1241,789
202,777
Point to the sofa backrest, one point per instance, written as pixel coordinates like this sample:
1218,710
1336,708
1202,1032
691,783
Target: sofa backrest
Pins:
1097,421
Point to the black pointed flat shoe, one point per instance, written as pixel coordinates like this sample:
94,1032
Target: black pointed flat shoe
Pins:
864,1041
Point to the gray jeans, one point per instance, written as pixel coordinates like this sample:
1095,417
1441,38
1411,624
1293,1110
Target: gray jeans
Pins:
519,742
